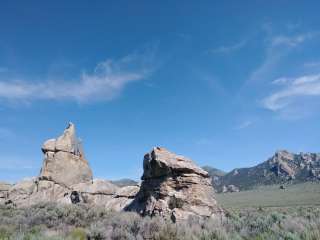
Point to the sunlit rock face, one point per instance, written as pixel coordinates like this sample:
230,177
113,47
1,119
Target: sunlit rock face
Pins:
64,161
174,187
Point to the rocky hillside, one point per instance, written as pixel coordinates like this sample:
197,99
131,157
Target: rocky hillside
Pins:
282,167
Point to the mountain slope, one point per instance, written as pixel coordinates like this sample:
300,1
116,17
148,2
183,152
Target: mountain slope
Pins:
124,182
282,167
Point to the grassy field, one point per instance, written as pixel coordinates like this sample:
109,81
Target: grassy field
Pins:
305,194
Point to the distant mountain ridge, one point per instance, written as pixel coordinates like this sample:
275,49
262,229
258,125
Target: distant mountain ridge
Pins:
124,182
282,167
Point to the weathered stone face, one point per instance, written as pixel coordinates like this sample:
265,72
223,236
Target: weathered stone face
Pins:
174,187
161,162
64,161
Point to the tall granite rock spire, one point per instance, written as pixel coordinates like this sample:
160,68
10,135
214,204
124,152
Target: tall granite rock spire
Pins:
64,161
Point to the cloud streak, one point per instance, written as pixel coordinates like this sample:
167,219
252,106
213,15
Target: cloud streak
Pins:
105,82
245,124
294,90
278,47
230,48
292,41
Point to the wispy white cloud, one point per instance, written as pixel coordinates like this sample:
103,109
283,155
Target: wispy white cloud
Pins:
245,124
278,47
292,41
226,49
271,61
297,88
105,82
280,81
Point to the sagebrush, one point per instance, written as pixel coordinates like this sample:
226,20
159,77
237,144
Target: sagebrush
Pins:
53,221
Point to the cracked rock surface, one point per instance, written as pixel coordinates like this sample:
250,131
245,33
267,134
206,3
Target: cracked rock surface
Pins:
174,187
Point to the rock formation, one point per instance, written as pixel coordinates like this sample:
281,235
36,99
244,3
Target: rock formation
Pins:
174,187
64,161
66,178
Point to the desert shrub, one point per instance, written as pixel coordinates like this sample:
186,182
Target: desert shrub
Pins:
97,231
78,234
5,233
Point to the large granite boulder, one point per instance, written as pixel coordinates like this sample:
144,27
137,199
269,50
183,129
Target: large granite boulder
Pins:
174,187
64,161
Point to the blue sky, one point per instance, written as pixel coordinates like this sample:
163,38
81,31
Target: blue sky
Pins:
226,83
